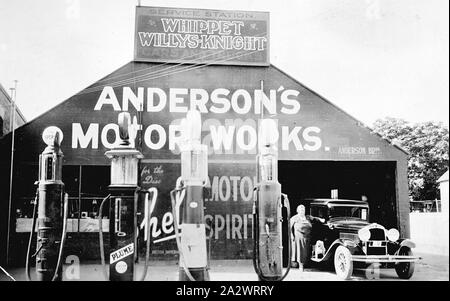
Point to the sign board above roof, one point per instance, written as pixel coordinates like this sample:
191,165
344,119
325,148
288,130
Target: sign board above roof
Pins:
201,36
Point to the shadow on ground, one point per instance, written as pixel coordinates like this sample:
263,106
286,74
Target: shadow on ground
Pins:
432,267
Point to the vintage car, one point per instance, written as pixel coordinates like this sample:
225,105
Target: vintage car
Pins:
341,231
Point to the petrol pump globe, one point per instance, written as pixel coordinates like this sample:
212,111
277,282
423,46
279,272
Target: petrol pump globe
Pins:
194,125
52,135
268,152
124,157
194,155
50,168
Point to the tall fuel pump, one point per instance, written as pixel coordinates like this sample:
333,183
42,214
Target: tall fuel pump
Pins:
52,208
267,208
123,210
188,202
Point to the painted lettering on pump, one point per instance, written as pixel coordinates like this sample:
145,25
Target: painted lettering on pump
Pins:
223,136
121,253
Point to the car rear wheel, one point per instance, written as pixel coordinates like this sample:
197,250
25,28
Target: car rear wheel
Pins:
343,263
405,270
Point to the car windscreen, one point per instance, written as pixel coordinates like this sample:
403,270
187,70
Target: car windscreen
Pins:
319,211
348,211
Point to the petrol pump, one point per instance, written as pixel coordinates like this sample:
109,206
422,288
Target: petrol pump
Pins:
52,207
267,208
188,202
124,195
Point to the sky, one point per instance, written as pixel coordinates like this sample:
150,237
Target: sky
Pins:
372,58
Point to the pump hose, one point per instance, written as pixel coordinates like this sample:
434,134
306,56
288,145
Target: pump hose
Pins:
211,227
63,236
256,263
100,235
61,245
208,266
147,251
27,260
288,217
7,274
177,237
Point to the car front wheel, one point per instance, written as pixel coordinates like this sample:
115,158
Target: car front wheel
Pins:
405,270
343,263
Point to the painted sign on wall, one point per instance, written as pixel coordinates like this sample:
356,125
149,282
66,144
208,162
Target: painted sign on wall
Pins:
228,206
224,136
231,101
183,35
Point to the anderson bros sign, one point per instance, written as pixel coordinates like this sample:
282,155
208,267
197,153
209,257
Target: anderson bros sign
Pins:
201,36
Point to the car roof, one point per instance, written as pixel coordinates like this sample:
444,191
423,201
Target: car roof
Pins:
326,202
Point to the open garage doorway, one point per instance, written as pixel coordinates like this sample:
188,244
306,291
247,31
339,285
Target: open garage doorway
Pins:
302,180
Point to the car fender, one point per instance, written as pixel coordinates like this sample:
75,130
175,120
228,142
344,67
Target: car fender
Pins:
351,245
407,243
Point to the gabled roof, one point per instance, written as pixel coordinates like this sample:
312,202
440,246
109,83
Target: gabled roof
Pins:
343,111
8,99
443,178
125,73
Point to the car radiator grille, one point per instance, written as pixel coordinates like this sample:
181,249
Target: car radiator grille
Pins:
377,243
377,234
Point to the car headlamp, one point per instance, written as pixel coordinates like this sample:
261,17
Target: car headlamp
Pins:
364,234
393,235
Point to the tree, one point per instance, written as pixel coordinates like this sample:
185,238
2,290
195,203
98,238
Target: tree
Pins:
427,144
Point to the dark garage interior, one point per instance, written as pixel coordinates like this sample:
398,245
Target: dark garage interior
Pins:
315,179
302,180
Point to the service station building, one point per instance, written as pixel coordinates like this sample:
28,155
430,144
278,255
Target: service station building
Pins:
321,148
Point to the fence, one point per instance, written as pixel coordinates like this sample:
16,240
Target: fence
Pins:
430,232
